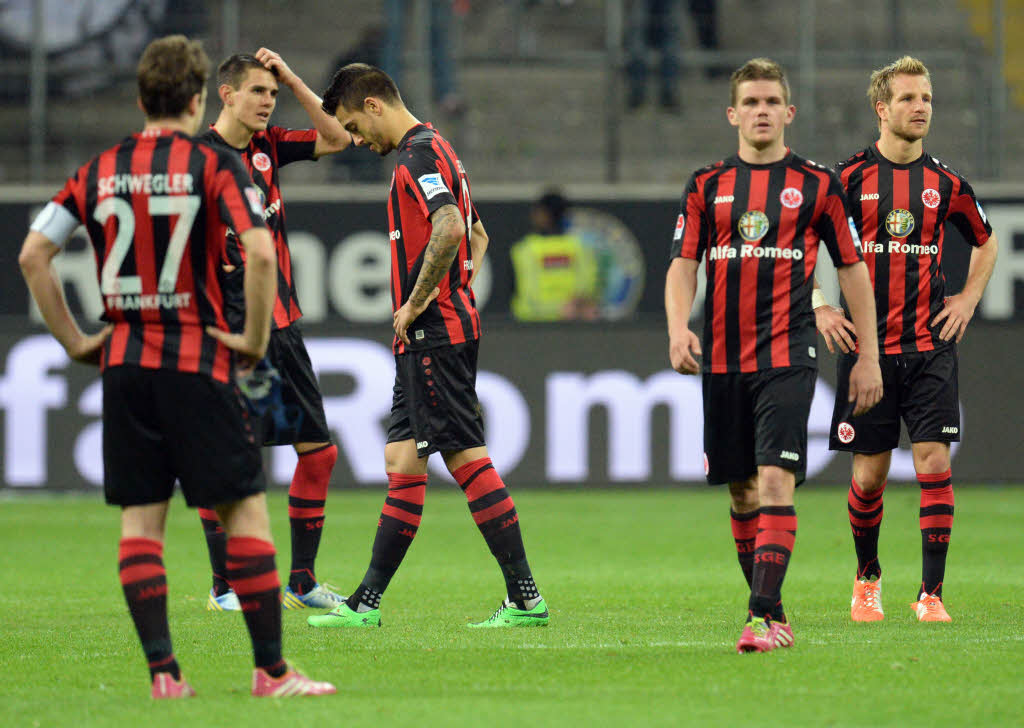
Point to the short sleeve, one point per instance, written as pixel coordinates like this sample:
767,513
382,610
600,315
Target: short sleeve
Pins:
239,202
292,145
420,171
692,231
834,226
968,217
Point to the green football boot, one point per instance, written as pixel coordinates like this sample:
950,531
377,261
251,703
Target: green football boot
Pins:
509,616
342,616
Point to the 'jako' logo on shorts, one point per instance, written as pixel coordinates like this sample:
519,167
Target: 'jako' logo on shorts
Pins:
845,433
261,161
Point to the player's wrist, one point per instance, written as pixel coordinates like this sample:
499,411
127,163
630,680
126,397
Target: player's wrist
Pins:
818,299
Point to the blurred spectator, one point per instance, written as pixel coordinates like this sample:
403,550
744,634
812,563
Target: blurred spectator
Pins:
442,70
359,164
654,24
705,19
556,273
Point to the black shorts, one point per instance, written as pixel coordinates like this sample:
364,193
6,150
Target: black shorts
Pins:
919,388
435,399
302,418
160,425
756,418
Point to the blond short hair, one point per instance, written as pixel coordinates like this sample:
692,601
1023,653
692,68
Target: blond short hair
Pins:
880,88
758,69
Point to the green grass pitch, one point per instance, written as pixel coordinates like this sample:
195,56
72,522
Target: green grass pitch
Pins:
646,599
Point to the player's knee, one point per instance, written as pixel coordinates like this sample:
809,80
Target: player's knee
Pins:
775,485
931,457
400,457
744,495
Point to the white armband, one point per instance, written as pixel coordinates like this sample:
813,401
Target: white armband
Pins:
818,299
56,223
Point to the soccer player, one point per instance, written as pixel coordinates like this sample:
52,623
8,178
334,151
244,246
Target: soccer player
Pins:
248,87
901,199
437,244
757,219
154,207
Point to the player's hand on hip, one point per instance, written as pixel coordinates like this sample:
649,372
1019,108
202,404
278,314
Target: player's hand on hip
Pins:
837,330
865,384
957,311
402,318
250,348
682,352
88,349
273,62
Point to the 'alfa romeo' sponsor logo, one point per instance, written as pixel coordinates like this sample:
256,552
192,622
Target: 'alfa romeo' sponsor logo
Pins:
753,225
899,223
931,198
792,198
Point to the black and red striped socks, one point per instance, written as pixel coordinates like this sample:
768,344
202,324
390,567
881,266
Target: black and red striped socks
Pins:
306,497
144,581
773,547
865,510
936,520
399,520
252,573
744,533
495,515
217,547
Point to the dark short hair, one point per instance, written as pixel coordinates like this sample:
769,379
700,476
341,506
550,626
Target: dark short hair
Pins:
355,82
171,71
233,69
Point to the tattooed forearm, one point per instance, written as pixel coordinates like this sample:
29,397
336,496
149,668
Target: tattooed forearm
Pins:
449,229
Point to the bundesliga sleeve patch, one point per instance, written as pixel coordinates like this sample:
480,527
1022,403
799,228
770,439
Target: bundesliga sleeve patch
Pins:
255,203
680,227
432,185
984,217
853,234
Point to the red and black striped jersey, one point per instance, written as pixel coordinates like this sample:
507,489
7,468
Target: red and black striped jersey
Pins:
267,151
155,207
427,176
900,211
757,226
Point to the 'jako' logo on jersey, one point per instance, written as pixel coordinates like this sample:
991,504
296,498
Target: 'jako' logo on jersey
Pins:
722,199
792,198
261,161
931,198
753,225
899,223
869,196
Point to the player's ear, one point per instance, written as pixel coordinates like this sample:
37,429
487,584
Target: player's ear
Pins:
881,111
730,114
225,91
372,105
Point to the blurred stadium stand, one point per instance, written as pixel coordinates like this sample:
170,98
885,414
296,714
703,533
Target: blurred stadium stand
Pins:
542,80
